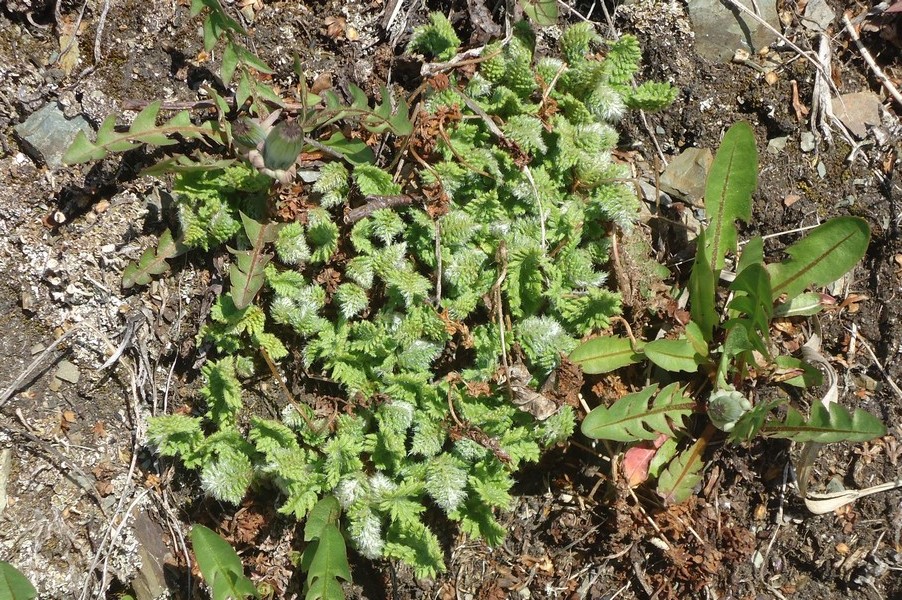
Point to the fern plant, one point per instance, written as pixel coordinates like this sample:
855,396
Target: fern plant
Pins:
439,300
734,352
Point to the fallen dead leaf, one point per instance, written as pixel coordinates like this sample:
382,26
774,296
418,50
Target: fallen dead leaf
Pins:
637,459
335,27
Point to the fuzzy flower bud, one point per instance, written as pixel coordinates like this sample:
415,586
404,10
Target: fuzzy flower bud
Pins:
283,145
726,407
248,134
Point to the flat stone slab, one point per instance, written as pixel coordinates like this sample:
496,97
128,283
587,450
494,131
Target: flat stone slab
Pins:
857,111
46,134
720,31
684,178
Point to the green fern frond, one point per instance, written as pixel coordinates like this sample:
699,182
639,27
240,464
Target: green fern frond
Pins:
446,481
291,247
527,131
438,38
544,340
332,184
622,60
352,299
176,435
222,391
372,180
284,283
651,96
323,234
228,475
360,270
417,546
558,427
577,40
478,521
386,225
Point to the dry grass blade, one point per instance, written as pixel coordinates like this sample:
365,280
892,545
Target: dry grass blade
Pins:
811,353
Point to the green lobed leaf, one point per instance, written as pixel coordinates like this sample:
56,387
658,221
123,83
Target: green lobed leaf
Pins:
752,254
229,63
749,425
329,563
14,585
355,151
825,426
702,285
252,60
677,482
630,418
696,338
152,262
809,375
326,512
803,305
83,150
673,355
146,120
752,306
823,256
543,13
247,274
604,354
728,191
220,565
243,92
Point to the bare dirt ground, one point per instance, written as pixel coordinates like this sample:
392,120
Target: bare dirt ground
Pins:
86,511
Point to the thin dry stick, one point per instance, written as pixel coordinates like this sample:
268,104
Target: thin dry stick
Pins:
109,535
15,385
877,362
285,391
782,37
375,203
101,22
866,55
438,263
496,289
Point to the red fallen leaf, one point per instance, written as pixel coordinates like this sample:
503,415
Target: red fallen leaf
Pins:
637,459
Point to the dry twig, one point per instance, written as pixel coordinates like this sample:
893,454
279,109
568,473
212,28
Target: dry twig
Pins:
872,64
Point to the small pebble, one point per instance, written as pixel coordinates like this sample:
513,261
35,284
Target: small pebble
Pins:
777,145
807,141
67,372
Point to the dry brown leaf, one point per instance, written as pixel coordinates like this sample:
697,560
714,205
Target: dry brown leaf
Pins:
335,27
526,398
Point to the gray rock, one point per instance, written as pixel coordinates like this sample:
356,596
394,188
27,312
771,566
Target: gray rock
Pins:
684,177
150,583
777,145
67,371
719,31
857,111
807,141
818,16
47,134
